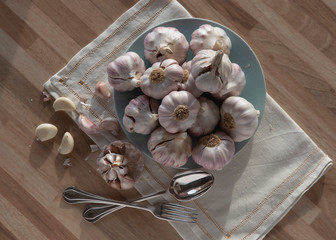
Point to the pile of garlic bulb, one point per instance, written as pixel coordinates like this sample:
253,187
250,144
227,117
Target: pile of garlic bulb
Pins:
184,100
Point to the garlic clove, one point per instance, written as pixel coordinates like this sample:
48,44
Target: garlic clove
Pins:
124,72
141,115
102,90
188,81
110,124
64,104
164,43
45,131
207,118
172,150
86,125
126,182
161,78
67,144
214,151
209,37
178,111
239,118
211,70
235,86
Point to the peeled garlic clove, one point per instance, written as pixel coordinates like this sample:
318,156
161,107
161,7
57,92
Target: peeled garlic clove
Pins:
64,104
141,115
110,124
102,90
239,118
45,131
166,42
235,86
188,81
209,37
178,111
67,144
214,151
161,78
124,72
86,125
211,70
172,150
125,160
207,118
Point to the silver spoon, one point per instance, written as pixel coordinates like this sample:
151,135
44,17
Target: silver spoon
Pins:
184,186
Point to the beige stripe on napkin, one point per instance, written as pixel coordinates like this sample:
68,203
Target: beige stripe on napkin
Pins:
251,194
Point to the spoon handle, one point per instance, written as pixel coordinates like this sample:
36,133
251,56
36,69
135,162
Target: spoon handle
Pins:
93,213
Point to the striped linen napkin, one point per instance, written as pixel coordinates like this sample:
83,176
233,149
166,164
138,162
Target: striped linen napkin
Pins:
252,193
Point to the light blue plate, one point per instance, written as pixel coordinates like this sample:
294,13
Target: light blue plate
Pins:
241,53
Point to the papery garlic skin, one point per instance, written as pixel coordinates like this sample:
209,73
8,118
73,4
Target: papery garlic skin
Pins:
207,118
141,115
172,150
239,118
235,86
125,71
188,81
164,43
211,70
214,151
120,164
178,111
161,78
209,37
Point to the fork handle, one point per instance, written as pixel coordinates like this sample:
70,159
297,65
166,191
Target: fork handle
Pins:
94,213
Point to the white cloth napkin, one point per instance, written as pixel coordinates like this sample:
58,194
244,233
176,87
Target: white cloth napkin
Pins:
254,191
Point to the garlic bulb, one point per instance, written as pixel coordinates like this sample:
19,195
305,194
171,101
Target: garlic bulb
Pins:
239,118
161,78
120,164
166,42
188,82
124,72
211,70
207,118
178,111
209,37
172,150
214,151
141,115
235,86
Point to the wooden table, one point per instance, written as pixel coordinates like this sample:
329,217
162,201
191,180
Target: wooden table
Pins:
294,40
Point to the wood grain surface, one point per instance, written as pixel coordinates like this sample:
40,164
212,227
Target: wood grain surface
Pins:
294,40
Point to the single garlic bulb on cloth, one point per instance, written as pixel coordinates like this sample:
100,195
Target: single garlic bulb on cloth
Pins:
161,78
120,164
188,82
211,70
141,115
178,111
209,37
214,151
124,72
172,150
235,86
239,118
207,118
166,42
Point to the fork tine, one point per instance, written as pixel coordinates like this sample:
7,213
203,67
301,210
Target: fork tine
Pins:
179,215
178,206
179,220
166,209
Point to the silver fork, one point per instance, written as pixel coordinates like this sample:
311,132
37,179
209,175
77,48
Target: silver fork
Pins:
165,211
